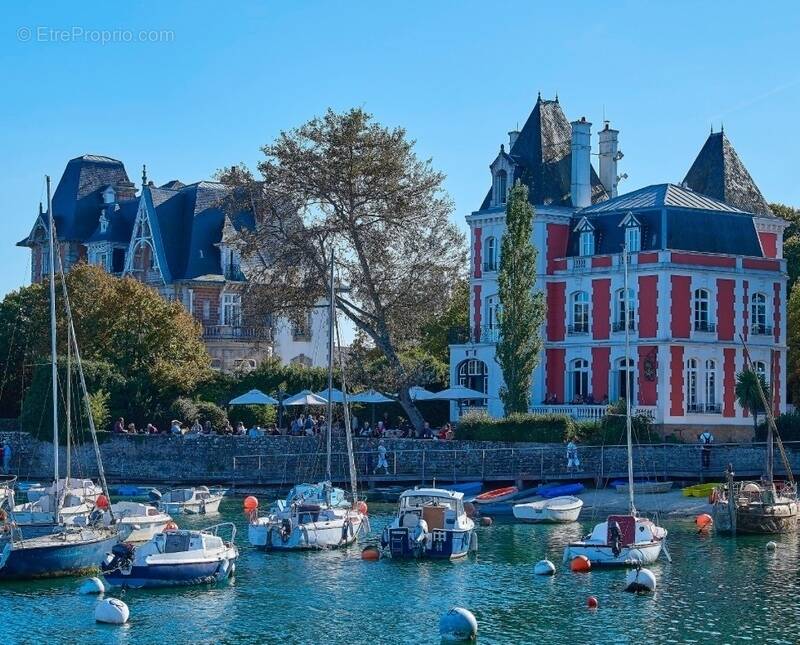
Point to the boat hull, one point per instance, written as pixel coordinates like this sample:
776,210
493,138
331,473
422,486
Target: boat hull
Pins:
140,532
439,545
603,554
549,511
204,507
48,559
770,519
169,575
310,536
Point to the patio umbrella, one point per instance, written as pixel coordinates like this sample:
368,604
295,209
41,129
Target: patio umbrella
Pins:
371,398
306,397
253,397
459,393
335,396
418,393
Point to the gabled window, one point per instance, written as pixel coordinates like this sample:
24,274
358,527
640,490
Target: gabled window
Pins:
633,233
500,187
587,243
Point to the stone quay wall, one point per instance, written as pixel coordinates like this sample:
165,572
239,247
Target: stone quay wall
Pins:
284,460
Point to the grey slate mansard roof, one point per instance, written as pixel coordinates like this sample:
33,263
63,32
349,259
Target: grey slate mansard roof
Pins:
719,173
671,217
542,154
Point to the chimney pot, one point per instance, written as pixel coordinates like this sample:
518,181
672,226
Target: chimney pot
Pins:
609,156
512,138
580,182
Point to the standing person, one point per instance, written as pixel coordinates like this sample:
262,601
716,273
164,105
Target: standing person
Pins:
382,463
573,463
6,457
175,428
119,426
706,439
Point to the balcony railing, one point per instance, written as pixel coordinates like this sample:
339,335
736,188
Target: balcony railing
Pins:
705,325
458,335
490,266
619,325
587,412
490,333
236,332
761,330
578,329
704,408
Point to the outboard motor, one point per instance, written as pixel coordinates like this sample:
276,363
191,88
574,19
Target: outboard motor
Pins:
154,495
123,557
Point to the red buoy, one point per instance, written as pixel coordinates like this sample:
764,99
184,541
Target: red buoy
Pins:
371,553
580,564
362,507
704,522
250,504
592,603
101,502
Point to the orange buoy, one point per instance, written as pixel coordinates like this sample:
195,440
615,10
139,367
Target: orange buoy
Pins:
371,553
362,507
592,603
580,564
250,504
101,502
704,521
486,521
171,526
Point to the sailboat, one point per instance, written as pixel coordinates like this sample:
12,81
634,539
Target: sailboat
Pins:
316,516
71,548
757,507
622,540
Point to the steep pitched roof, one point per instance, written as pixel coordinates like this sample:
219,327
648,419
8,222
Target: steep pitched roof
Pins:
719,173
542,154
77,197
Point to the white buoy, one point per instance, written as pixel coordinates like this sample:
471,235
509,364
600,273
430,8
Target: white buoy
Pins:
544,568
458,625
92,586
111,611
771,546
640,581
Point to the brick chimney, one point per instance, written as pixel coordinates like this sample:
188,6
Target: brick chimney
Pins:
609,155
580,183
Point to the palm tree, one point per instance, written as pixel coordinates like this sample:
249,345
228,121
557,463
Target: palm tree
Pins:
747,393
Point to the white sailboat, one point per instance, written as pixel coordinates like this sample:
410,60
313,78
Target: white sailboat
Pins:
316,516
622,540
76,547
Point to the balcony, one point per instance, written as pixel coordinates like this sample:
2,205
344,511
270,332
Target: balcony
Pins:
490,333
588,412
458,336
705,326
704,408
578,329
761,330
619,325
489,266
237,332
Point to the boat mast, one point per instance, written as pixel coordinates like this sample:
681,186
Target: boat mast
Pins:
68,411
331,323
53,350
628,428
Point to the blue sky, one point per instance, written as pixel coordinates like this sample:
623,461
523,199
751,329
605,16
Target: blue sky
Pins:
227,77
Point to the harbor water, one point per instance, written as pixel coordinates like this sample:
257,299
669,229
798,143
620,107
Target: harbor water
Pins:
717,589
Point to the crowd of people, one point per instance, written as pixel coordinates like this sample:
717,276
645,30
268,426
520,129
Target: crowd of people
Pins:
301,425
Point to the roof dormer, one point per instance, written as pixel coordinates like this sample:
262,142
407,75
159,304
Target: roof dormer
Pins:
502,177
109,195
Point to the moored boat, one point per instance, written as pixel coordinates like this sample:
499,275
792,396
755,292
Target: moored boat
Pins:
557,510
138,522
497,495
197,500
174,558
430,523
549,491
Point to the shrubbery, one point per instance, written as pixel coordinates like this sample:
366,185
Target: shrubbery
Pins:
541,428
788,425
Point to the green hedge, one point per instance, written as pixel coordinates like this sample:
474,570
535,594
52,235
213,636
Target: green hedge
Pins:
788,425
540,428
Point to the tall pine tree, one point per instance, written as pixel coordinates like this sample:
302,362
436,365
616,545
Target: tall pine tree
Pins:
522,312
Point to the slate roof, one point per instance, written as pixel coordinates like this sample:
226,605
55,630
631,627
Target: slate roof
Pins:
671,217
719,173
543,159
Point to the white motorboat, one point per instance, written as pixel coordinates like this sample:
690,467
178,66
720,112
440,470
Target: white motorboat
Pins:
622,540
311,517
174,558
559,509
84,489
430,523
198,500
137,522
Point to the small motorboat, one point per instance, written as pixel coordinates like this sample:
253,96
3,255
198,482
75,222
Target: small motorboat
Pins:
174,558
497,495
431,523
199,500
559,509
138,522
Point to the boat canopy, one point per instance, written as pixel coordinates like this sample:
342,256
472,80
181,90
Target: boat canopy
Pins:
432,492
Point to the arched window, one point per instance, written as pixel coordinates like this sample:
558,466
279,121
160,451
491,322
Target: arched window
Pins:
490,263
758,315
711,387
702,321
579,312
625,310
301,360
586,243
625,380
501,187
692,402
579,381
474,375
633,239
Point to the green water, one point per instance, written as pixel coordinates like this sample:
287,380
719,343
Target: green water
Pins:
718,590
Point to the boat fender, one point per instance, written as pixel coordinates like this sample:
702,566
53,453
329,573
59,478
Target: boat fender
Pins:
91,586
232,570
458,625
345,526
473,542
420,531
111,611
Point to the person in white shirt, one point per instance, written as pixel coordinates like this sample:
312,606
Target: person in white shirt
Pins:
706,439
382,463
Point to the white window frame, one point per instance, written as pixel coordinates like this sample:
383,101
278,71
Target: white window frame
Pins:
490,263
231,309
758,313
622,308
711,383
586,240
580,312
578,370
692,392
701,310
633,238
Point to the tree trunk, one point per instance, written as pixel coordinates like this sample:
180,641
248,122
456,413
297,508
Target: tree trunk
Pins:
414,415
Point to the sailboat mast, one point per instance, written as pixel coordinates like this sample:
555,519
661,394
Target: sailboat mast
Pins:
628,428
53,350
331,323
68,409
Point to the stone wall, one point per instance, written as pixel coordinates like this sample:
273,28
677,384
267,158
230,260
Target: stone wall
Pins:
284,460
